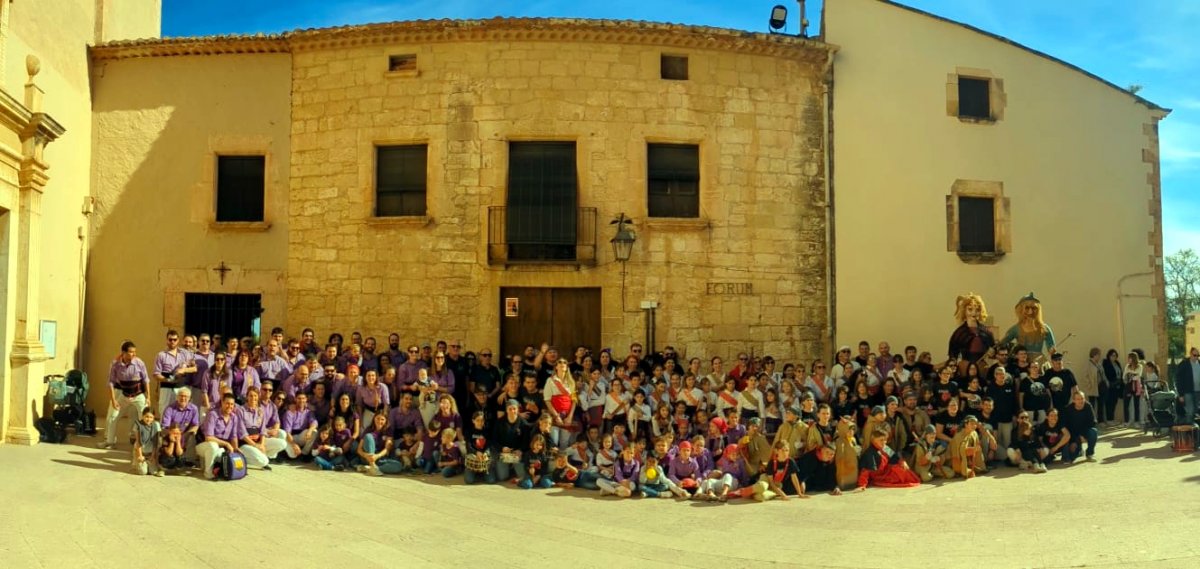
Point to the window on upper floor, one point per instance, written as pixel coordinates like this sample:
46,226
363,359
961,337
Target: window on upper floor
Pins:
400,180
976,225
974,98
241,185
673,180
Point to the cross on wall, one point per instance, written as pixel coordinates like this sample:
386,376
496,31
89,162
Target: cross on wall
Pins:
222,269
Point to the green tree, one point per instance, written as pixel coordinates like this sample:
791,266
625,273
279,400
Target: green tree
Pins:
1182,273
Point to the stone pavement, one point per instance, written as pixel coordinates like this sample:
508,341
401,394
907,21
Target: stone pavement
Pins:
76,506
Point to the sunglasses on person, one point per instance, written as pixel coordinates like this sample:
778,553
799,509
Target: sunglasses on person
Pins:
205,341
743,358
413,351
485,355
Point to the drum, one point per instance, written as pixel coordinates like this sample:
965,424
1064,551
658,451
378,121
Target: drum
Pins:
1183,438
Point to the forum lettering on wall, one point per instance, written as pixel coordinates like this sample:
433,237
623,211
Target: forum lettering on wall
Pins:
729,289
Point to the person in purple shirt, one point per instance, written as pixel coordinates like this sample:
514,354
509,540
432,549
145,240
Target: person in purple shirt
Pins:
293,355
263,436
394,353
685,471
244,376
223,432
625,475
187,416
370,361
273,367
299,426
405,416
407,373
729,474
371,397
171,369
128,383
217,381
301,380
204,360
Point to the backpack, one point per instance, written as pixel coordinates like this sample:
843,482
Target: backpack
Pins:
232,466
49,431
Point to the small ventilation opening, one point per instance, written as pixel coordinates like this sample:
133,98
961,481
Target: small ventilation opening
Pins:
674,67
404,62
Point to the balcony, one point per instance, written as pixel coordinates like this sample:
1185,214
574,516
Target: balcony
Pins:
536,235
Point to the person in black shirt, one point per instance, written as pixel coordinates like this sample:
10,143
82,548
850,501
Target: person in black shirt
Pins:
780,477
484,374
1034,395
1080,420
949,421
1019,366
1023,451
1003,394
508,443
1060,391
1052,435
945,390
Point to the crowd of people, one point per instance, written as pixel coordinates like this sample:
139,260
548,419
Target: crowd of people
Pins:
642,424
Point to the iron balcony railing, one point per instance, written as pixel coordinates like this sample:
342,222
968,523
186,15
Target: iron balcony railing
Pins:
541,234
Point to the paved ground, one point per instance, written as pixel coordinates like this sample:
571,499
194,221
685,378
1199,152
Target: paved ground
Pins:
76,506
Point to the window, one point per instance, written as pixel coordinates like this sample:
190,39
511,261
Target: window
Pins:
230,315
974,98
673,180
400,180
976,225
405,62
240,187
674,67
543,199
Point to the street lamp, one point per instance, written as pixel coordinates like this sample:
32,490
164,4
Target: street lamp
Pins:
622,242
778,18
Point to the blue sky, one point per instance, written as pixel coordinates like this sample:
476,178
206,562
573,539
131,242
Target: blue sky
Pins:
1147,42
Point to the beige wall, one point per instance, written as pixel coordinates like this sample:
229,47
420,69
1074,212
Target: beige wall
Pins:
757,119
1068,151
158,125
58,38
128,19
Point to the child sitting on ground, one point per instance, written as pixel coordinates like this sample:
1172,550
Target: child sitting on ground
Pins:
652,481
780,477
407,448
537,462
170,450
449,460
144,437
625,474
880,466
428,448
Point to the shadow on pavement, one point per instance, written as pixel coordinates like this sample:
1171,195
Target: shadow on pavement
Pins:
115,461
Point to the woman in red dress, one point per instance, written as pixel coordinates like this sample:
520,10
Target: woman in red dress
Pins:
880,466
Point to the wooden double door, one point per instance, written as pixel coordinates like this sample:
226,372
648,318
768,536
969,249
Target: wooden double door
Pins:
564,317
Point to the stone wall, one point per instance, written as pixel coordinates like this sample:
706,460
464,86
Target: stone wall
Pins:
757,119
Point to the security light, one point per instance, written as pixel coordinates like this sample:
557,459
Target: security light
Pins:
778,18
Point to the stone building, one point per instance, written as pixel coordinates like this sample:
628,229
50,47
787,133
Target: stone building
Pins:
418,177
457,179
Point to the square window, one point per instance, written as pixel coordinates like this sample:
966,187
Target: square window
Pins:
405,62
400,180
974,98
674,67
241,182
673,180
976,225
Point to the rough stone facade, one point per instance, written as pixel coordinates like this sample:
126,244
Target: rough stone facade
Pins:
755,111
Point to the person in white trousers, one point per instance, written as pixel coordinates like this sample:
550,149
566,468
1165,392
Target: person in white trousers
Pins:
223,431
172,370
262,442
128,382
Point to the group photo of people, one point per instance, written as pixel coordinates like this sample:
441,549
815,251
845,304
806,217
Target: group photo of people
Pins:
629,423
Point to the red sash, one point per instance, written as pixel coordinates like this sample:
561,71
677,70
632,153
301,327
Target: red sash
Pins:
728,398
821,387
691,399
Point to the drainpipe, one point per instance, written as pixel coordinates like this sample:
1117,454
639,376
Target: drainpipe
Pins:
88,206
1121,307
830,253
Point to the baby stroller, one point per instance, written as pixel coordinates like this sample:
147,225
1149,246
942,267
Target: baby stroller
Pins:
68,396
1160,408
